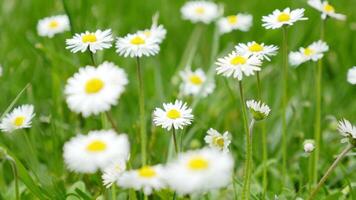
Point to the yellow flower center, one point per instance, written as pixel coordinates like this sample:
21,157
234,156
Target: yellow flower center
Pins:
308,51
18,121
89,38
147,172
173,114
329,8
137,40
219,141
96,146
255,47
238,60
283,17
53,24
200,10
198,163
94,85
232,19
195,79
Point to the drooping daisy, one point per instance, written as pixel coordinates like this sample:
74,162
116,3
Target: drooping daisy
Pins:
258,109
238,64
260,50
173,115
147,178
200,11
351,75
112,173
50,26
309,146
94,90
219,141
199,171
94,41
156,33
195,83
242,22
346,129
137,45
95,151
326,9
313,52
19,118
279,18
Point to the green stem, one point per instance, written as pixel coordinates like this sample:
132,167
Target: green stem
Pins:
112,122
284,105
328,172
66,9
113,192
16,177
175,140
92,58
142,113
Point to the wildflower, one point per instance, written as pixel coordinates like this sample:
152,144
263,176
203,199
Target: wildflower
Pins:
351,75
326,9
19,118
260,50
258,109
309,146
200,11
286,17
195,83
50,26
94,41
313,52
347,130
156,33
112,173
217,140
242,22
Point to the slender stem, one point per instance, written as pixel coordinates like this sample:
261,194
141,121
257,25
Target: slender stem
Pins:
113,192
111,120
175,140
16,177
65,6
142,113
92,58
328,172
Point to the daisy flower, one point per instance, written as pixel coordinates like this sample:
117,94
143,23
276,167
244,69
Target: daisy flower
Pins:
351,75
309,146
200,11
258,109
94,90
147,178
137,45
313,52
238,64
19,118
94,41
50,26
219,141
260,50
346,129
156,33
95,151
242,22
112,173
280,18
173,115
326,9
199,171
195,83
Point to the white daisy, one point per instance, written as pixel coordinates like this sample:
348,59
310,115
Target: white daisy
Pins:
147,178
351,75
280,18
326,9
219,141
112,173
346,129
156,33
94,90
309,146
137,45
199,171
258,109
238,64
94,41
313,52
19,118
195,83
200,11
95,151
173,115
50,26
242,22
258,49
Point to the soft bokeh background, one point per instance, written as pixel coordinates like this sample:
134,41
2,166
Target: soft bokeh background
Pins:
45,64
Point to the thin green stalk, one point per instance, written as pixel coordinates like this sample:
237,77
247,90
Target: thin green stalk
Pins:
66,9
16,177
142,113
175,140
92,58
113,192
111,120
328,172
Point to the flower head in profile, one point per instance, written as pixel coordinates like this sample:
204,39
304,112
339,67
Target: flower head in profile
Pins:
217,140
238,64
50,26
309,146
258,109
196,83
19,118
326,9
156,32
96,151
92,41
200,11
260,50
112,173
313,52
93,90
199,171
347,130
242,22
351,75
147,178
137,45
287,17
173,115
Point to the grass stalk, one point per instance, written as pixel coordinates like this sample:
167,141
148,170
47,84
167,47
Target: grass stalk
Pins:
284,104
